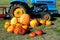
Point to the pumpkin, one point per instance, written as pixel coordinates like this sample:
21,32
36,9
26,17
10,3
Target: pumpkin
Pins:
43,21
10,29
18,25
34,23
22,31
48,23
14,20
18,19
25,19
32,34
39,32
25,26
16,30
7,24
14,25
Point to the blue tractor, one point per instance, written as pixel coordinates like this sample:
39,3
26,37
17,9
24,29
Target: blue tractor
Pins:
42,8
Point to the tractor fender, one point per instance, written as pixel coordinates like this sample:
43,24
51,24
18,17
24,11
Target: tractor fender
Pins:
18,2
21,3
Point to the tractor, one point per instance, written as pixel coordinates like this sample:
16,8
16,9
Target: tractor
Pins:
43,8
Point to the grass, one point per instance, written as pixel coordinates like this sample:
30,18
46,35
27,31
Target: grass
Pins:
52,32
2,2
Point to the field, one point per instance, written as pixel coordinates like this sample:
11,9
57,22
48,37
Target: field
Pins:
52,32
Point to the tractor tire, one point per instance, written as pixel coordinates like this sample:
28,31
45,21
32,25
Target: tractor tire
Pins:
46,16
16,10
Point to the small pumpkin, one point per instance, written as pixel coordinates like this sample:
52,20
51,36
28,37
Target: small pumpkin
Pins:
10,29
43,21
7,24
18,25
18,19
14,25
14,20
16,30
22,31
48,23
39,32
25,19
32,34
25,26
34,23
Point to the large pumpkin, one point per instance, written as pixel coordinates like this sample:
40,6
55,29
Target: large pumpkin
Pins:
48,23
34,23
43,21
10,29
14,20
25,19
7,24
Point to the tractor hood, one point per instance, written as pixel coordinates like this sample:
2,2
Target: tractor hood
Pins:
43,1
19,1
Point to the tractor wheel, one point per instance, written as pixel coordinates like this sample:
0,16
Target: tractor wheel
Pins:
16,10
46,16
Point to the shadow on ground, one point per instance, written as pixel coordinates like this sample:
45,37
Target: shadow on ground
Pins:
54,16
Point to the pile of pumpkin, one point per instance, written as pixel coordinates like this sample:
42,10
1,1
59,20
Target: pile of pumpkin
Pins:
22,24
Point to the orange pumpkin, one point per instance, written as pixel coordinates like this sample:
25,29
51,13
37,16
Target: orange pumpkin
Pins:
22,31
25,19
32,34
43,21
14,20
7,24
16,30
48,23
10,29
39,32
34,23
